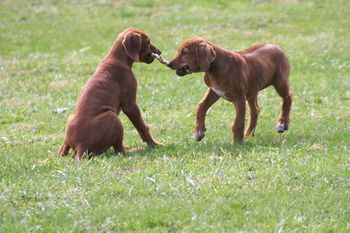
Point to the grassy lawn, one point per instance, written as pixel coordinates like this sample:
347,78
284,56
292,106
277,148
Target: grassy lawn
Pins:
293,182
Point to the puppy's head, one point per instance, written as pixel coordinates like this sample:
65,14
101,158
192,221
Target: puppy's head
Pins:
193,55
138,46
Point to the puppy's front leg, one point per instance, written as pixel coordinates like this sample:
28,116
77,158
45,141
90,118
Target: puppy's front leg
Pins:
238,126
208,100
133,112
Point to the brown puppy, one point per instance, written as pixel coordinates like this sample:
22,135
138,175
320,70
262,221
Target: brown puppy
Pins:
237,77
95,126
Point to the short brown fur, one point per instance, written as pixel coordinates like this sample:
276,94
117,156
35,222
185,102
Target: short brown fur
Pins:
238,77
95,126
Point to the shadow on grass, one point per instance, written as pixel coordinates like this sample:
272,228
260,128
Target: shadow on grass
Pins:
193,149
215,147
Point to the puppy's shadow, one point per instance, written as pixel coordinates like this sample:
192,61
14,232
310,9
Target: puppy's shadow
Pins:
209,146
135,151
184,149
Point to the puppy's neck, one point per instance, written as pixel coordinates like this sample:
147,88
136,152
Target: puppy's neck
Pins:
221,63
117,52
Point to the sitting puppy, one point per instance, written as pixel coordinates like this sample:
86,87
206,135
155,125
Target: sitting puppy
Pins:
237,77
95,126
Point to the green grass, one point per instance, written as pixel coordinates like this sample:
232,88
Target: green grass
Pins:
295,182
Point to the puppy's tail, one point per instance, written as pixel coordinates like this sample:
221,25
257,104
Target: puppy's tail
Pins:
64,149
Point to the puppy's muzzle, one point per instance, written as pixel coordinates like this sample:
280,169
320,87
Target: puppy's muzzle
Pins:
183,70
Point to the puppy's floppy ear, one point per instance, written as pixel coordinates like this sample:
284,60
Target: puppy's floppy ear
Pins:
205,55
132,45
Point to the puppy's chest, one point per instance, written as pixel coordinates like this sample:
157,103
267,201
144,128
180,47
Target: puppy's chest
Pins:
219,92
215,87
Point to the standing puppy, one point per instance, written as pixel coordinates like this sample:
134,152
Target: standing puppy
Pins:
95,126
237,77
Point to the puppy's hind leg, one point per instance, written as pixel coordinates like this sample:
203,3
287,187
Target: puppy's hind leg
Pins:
119,134
79,153
64,149
282,87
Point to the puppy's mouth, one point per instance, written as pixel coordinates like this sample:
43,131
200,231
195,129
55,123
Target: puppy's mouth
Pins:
183,70
148,58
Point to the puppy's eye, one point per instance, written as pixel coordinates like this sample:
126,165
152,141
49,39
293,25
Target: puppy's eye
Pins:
184,51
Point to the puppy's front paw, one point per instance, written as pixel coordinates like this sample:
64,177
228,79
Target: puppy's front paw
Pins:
281,127
154,144
198,135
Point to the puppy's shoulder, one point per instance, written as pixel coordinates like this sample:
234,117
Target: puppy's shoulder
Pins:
252,49
262,49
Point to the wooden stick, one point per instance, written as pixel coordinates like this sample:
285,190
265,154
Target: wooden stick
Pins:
160,59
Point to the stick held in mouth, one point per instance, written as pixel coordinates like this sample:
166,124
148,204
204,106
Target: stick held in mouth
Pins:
160,59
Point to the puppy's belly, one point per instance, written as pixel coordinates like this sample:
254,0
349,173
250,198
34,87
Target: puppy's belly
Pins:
219,93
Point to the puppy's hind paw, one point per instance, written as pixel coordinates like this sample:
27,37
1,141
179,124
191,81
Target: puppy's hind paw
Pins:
198,135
